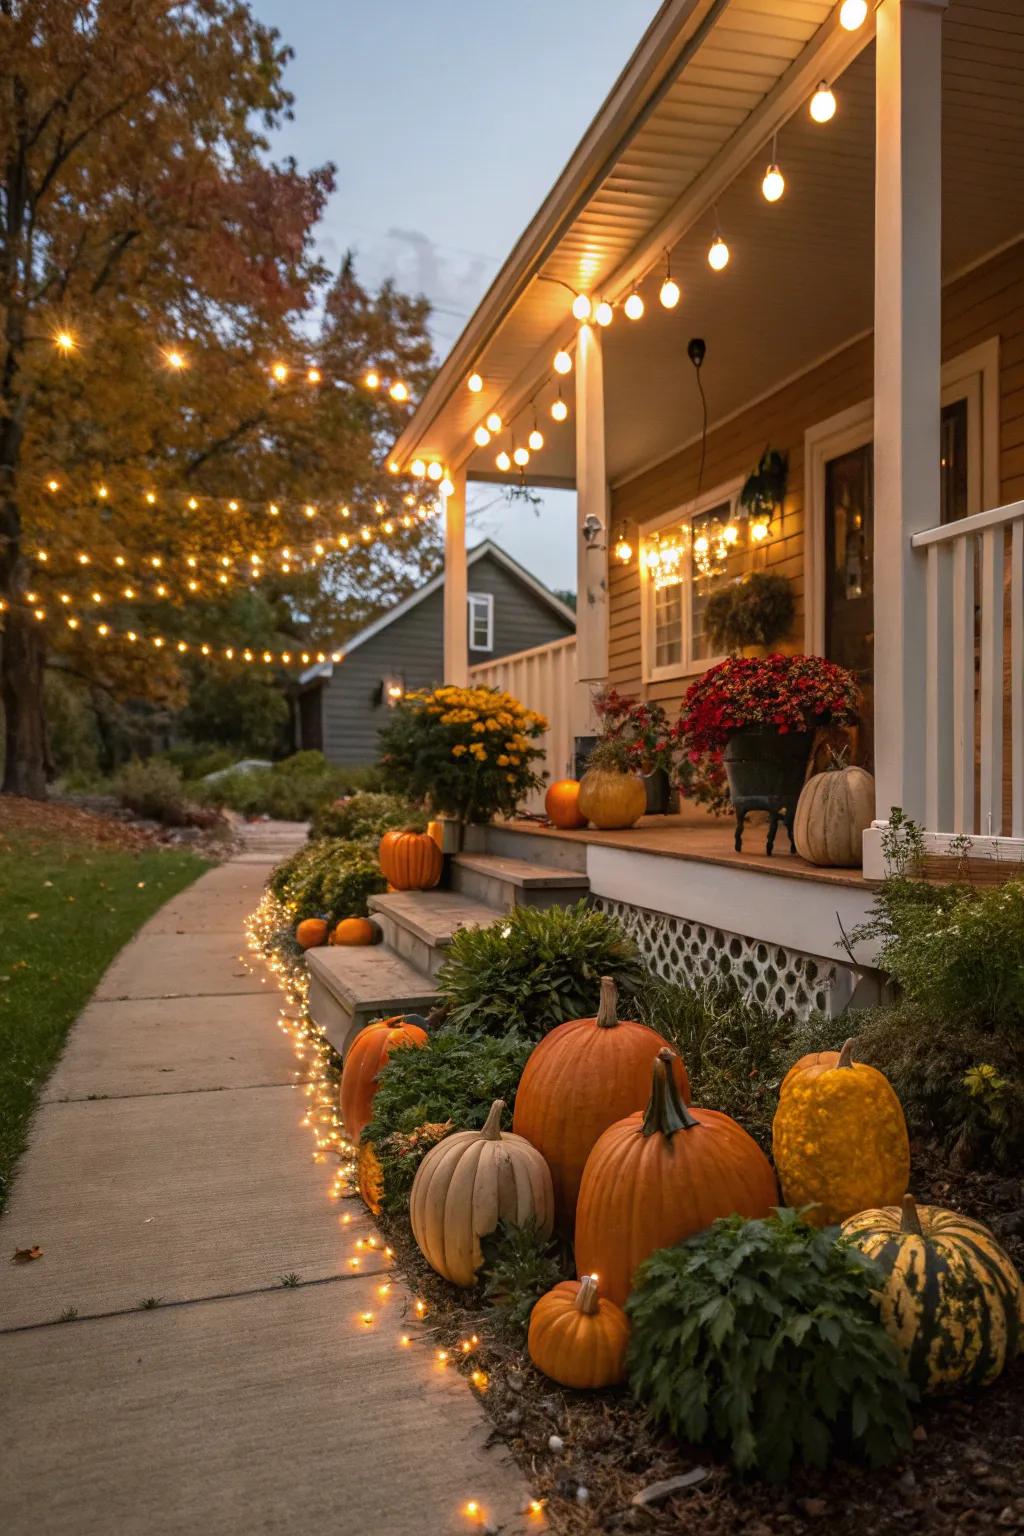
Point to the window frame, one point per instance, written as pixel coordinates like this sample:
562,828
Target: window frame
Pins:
475,603
689,665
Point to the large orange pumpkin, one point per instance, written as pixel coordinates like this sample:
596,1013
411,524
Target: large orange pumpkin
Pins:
312,932
411,861
808,1067
578,1337
561,805
579,1080
657,1177
357,930
363,1061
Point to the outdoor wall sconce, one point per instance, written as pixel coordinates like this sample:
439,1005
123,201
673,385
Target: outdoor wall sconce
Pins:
391,691
623,548
591,528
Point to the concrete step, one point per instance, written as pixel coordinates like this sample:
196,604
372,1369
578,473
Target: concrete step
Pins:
509,842
418,925
505,883
350,987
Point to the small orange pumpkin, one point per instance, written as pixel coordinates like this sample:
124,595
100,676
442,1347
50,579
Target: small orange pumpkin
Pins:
577,1337
312,932
357,930
363,1062
410,861
562,807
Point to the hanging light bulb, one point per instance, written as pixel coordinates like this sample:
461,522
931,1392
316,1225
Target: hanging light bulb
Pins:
521,456
670,293
313,375
853,14
481,436
634,306
474,383
823,103
581,307
494,422
434,470
623,548
174,359
774,183
718,254
559,409
372,380
399,391
603,313
563,362
536,439
447,488
418,468
64,342
503,461
279,373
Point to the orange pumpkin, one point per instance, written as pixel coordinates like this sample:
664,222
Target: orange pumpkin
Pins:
657,1177
357,930
363,1062
579,1080
410,861
312,932
561,805
813,1065
577,1337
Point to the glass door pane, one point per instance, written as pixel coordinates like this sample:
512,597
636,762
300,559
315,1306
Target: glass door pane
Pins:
849,574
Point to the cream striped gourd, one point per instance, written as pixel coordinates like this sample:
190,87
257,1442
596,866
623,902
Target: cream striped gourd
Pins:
953,1303
469,1183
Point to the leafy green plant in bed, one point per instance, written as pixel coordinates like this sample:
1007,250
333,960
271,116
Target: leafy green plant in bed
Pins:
330,879
520,1265
364,817
761,1338
532,970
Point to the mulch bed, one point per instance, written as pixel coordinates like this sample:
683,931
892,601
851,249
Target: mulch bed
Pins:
965,1474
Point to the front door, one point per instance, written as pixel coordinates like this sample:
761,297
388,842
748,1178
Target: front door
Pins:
849,574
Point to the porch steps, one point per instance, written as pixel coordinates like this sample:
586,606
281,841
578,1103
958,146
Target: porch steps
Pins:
350,986
505,883
418,925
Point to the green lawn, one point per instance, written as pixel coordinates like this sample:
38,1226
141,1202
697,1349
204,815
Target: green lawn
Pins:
66,908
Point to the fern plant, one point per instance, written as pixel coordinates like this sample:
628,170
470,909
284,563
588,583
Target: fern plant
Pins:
761,1337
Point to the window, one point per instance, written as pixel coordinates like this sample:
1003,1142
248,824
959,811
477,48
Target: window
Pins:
685,558
481,621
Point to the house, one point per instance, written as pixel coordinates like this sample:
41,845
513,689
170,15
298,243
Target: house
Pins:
342,704
796,224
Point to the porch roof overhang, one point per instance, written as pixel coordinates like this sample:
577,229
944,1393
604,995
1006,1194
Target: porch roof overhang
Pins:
681,145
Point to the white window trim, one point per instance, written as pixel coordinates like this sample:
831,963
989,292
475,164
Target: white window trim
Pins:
688,666
972,376
473,602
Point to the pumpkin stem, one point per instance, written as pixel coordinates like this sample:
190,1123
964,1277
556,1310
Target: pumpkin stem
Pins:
587,1300
666,1111
846,1054
607,1015
491,1129
911,1221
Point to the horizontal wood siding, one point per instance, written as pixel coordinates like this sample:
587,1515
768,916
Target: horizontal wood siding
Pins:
987,302
522,619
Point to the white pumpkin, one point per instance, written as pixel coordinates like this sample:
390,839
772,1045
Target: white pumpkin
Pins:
833,811
469,1183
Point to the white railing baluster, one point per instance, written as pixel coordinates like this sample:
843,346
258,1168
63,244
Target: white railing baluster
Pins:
1017,680
938,724
963,685
990,801
542,679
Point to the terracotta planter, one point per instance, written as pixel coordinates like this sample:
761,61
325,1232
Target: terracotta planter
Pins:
766,772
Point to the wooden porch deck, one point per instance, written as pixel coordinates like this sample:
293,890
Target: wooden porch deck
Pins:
694,834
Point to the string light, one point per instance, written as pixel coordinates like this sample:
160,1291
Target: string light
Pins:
175,359
670,292
536,438
853,14
634,306
279,372
64,342
399,392
774,183
418,469
372,380
494,422
563,362
521,456
581,307
474,383
718,254
603,313
823,103
559,409
434,470
481,436
503,461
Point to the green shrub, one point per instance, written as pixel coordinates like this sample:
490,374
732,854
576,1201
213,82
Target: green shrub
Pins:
520,1265
195,759
758,610
328,879
152,788
291,790
364,816
762,1338
534,969
451,1082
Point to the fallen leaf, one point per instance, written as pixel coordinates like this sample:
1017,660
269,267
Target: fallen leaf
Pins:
26,1255
655,1492
32,916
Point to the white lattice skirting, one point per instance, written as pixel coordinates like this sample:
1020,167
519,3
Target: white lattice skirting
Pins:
682,950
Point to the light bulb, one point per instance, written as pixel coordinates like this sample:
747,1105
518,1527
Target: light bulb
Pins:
279,372
64,341
399,391
718,255
823,104
393,466
652,559
774,184
503,461
581,307
447,488
603,313
372,380
624,551
494,422
670,293
853,14
563,362
418,468
481,436
559,409
521,456
536,440
759,532
174,359
313,375
53,485
634,306
474,383
434,470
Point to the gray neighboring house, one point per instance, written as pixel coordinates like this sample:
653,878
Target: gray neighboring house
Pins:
341,706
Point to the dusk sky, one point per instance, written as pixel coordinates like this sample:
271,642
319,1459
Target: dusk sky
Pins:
448,123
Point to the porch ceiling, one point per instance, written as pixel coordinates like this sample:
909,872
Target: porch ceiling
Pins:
800,279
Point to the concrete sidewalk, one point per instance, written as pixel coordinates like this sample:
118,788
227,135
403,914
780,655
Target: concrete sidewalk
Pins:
171,1187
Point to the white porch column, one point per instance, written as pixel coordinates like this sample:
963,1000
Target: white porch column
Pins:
592,552
908,317
456,624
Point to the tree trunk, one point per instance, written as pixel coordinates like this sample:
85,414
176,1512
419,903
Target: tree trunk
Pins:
21,687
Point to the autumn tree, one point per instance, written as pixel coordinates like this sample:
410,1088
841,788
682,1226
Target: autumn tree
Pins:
154,266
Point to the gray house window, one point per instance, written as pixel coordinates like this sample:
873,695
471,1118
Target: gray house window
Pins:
481,621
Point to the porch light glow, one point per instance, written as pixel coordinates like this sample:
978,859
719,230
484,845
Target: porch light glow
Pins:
853,14
474,383
481,436
718,254
634,306
418,468
774,183
603,313
503,461
521,456
581,307
563,362
823,103
536,440
623,548
494,422
759,531
559,409
434,471
652,557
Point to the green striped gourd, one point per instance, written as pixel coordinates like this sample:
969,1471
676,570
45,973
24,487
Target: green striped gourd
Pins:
953,1303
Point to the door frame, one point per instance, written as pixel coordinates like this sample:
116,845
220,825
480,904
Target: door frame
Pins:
971,375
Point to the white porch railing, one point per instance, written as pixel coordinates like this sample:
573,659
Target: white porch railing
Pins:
975,701
543,679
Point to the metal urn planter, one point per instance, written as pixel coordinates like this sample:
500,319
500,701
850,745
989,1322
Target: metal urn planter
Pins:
766,772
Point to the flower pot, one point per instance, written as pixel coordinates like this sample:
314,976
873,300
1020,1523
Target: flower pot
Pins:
659,792
766,772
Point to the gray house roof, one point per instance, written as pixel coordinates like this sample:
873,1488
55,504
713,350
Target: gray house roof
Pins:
325,669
